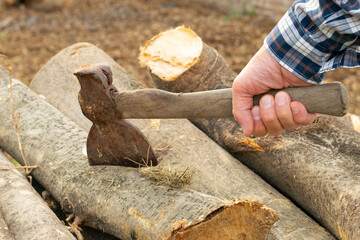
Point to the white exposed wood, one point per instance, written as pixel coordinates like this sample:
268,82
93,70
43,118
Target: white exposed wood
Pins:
183,49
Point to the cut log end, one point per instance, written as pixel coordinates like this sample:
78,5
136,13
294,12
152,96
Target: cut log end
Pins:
180,62
242,219
183,48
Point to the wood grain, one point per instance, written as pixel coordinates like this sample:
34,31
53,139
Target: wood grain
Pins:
330,99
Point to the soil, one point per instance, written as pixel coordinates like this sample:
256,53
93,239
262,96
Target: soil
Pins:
30,37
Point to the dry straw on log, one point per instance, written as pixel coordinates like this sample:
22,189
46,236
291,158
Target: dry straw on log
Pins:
317,166
115,199
25,213
177,143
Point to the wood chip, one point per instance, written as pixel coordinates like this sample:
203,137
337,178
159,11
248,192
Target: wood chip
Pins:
356,123
251,142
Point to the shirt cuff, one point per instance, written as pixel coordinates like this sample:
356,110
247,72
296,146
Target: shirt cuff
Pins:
295,50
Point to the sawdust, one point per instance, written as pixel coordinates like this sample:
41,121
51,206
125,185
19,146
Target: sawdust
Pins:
155,123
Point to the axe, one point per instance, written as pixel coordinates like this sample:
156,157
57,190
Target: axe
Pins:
114,141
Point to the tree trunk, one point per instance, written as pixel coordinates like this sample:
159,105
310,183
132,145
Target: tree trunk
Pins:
24,211
118,200
316,166
177,143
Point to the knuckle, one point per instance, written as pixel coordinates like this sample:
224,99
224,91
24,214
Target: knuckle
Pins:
301,120
260,131
237,84
283,115
291,127
269,118
262,134
237,116
276,133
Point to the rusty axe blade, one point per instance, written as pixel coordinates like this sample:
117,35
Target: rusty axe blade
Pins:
111,140
106,108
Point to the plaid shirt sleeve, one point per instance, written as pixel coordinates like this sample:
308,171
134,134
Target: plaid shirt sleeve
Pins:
316,36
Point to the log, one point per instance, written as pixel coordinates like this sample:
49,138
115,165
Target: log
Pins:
177,143
118,200
24,211
316,166
4,230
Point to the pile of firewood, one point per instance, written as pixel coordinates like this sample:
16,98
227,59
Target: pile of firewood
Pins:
316,166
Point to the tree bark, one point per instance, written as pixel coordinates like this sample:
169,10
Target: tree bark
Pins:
177,143
316,166
24,211
117,200
4,230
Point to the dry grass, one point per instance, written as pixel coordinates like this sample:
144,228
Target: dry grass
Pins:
168,177
16,120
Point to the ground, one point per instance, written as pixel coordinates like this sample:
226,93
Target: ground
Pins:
31,37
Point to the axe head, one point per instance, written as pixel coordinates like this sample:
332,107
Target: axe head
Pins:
111,140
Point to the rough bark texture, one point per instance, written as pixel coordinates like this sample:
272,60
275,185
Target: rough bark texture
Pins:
177,143
24,211
118,200
4,230
318,166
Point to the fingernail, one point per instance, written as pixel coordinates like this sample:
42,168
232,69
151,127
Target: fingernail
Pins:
267,101
294,110
281,99
256,113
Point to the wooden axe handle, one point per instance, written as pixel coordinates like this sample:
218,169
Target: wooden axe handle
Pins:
330,99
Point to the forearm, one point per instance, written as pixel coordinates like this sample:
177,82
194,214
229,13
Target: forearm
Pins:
314,37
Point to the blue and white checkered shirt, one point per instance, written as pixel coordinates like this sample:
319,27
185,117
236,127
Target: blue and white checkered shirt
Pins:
316,36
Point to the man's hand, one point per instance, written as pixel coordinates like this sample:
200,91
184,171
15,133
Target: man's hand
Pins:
273,115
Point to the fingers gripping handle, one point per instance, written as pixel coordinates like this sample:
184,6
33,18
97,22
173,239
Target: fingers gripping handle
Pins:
329,99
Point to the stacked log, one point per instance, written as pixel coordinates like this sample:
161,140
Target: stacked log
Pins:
118,200
23,213
177,144
316,166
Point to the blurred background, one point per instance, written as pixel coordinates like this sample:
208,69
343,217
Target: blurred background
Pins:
32,31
